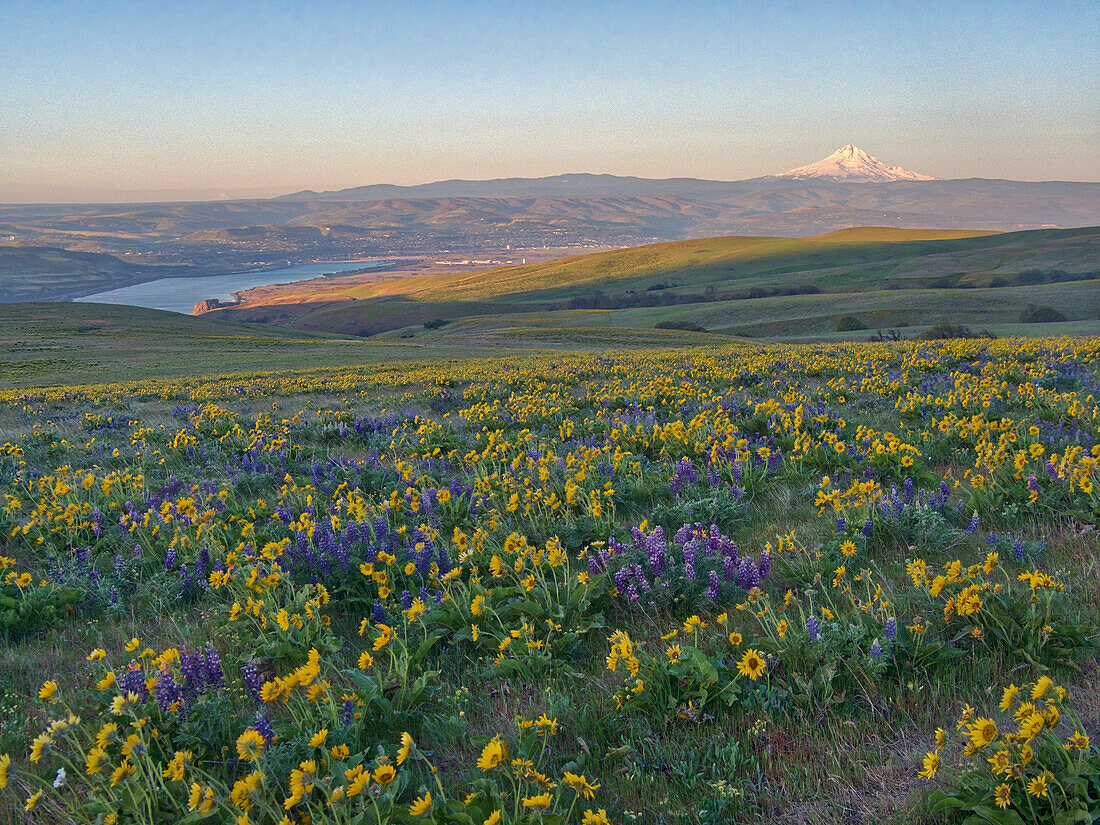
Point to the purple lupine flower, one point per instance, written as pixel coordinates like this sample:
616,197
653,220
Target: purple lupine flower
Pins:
1053,473
765,564
621,577
813,628
867,527
406,599
974,522
729,568
212,664
1033,484
262,725
1018,549
170,560
378,613
840,525
632,592
133,681
191,665
347,712
890,631
713,585
168,692
746,574
252,680
876,649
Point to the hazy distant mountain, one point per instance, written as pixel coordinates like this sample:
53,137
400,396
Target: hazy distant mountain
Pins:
852,164
846,189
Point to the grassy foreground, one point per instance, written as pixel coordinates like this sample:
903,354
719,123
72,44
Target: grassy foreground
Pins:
715,584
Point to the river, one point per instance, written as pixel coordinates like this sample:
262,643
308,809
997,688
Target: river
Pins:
181,294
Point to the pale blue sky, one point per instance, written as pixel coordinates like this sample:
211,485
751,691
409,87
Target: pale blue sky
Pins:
102,100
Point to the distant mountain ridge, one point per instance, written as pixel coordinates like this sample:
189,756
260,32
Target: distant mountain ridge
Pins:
845,189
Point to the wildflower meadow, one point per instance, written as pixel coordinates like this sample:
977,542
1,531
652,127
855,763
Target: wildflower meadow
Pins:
816,583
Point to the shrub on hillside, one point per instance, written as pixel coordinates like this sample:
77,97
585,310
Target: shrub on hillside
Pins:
850,323
1040,315
688,326
945,329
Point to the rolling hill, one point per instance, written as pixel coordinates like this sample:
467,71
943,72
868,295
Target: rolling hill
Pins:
43,273
730,275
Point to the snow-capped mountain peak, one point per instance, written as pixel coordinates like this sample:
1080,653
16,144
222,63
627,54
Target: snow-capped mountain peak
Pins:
853,164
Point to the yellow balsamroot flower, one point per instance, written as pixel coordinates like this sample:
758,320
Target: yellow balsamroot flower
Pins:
41,746
539,802
1053,717
1044,684
595,818
200,799
1001,796
931,764
250,745
981,732
318,739
5,763
1038,786
96,655
175,767
365,660
477,606
133,645
693,623
1000,762
580,785
407,745
492,819
124,770
493,755
1008,698
384,774
752,664
124,704
32,800
301,782
48,691
1078,742
416,610
385,636
1032,726
245,792
735,638
421,804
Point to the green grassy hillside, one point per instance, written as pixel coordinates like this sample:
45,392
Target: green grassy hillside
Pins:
74,343
46,273
748,285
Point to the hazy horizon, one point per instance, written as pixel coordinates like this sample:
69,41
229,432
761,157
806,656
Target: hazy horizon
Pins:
120,102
